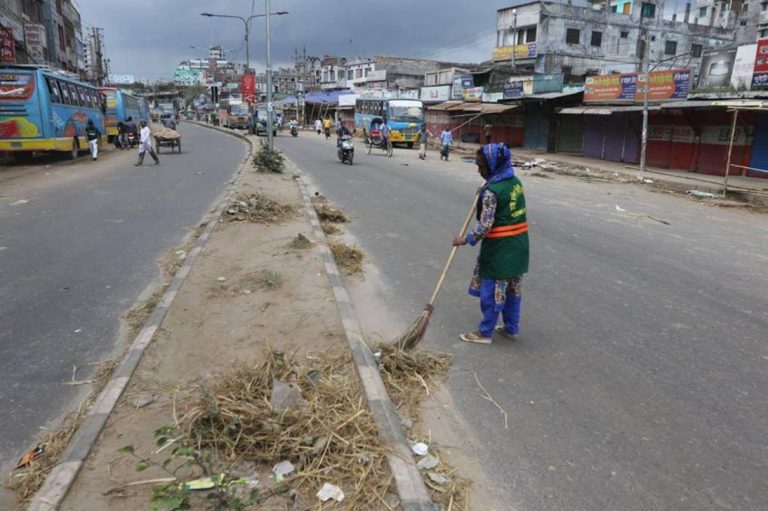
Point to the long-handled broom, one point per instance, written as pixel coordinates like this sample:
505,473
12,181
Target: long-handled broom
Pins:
418,328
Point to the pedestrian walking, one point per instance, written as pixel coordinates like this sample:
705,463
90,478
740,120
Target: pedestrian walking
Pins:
318,126
488,131
145,145
93,135
327,127
446,141
424,135
502,229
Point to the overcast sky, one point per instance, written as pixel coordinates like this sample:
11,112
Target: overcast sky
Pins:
148,38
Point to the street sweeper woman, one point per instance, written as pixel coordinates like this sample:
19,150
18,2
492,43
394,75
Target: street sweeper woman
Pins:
502,229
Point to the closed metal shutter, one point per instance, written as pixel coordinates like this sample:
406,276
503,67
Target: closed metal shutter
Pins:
570,136
536,128
759,159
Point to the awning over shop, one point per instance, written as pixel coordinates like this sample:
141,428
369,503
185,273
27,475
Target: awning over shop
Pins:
445,105
726,103
488,108
604,110
552,95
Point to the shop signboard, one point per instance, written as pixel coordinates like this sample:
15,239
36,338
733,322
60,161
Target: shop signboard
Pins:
473,94
547,83
513,90
743,66
716,67
436,93
34,35
7,45
520,51
460,83
672,84
248,87
760,71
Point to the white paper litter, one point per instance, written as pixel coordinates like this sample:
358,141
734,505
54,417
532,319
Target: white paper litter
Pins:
620,209
330,491
282,469
420,449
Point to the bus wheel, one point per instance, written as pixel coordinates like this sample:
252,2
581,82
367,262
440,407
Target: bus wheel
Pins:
410,145
73,154
22,157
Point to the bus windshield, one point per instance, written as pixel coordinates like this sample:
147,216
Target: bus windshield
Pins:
240,109
405,111
16,86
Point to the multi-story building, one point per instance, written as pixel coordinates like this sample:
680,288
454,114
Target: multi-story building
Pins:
545,37
375,73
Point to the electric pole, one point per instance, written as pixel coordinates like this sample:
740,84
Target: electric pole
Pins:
646,87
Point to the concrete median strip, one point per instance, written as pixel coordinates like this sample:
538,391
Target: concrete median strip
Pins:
411,489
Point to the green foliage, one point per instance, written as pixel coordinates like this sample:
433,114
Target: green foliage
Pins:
226,492
269,160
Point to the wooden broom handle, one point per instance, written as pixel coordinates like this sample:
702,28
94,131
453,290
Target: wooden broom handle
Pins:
452,255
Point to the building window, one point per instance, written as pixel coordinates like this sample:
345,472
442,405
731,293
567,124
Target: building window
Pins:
521,37
744,7
648,11
743,23
367,70
530,35
764,6
597,39
614,8
59,8
572,36
702,12
670,48
62,40
624,35
358,73
350,74
696,50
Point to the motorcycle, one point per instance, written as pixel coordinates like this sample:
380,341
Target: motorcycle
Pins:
133,139
346,150
294,131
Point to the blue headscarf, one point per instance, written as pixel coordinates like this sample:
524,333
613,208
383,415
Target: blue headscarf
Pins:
499,159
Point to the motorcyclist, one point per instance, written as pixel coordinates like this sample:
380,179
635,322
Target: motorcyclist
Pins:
131,130
342,132
293,125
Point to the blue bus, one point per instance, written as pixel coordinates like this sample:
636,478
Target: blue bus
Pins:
405,117
120,106
42,110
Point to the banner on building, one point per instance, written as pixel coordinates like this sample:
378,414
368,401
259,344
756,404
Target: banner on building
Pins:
743,67
513,90
7,45
672,84
547,83
122,79
473,94
460,83
248,87
34,37
436,93
760,71
520,51
716,67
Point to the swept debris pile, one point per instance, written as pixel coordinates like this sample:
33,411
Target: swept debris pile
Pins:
300,242
349,259
326,432
328,215
259,208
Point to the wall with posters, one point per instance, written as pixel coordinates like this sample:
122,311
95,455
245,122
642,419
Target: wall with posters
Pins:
436,94
625,88
743,67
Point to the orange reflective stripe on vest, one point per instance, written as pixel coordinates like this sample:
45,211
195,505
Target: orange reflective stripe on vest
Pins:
508,230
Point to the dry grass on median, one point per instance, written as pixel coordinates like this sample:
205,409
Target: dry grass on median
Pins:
26,481
350,259
259,208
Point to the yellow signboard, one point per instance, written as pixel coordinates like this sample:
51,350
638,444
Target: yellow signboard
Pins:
521,51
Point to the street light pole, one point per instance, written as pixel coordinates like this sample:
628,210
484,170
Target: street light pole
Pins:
646,72
269,79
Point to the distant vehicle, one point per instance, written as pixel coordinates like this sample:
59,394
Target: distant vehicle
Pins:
42,110
259,122
236,115
404,117
120,106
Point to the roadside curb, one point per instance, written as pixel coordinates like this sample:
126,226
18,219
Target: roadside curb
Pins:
411,489
62,477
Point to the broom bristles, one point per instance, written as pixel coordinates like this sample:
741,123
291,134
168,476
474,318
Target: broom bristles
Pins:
415,332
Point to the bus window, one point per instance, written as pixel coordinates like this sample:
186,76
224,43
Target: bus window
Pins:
72,93
64,92
53,90
81,96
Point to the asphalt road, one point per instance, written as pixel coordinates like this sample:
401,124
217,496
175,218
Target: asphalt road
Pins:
78,254
640,379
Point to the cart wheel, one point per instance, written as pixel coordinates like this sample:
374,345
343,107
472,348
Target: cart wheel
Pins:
390,150
179,146
368,147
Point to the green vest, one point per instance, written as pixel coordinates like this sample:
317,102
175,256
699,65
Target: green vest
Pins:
507,257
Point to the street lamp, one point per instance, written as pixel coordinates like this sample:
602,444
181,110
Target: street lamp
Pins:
247,25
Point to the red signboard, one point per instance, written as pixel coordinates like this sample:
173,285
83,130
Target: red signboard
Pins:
664,85
248,86
760,74
7,45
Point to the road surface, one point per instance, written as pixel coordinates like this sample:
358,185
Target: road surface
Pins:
640,379
78,254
